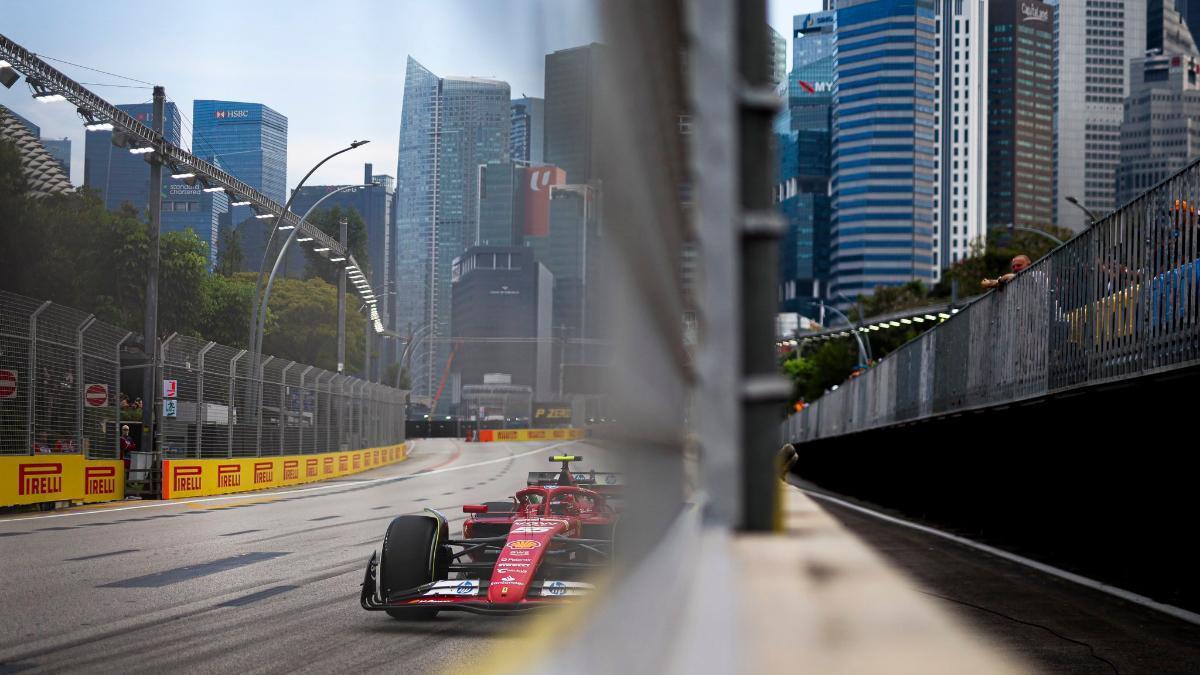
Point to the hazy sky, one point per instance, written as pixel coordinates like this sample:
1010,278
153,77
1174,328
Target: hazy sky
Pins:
335,69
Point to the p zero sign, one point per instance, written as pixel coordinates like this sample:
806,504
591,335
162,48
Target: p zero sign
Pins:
8,384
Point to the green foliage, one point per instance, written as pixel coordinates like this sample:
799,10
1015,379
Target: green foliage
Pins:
1002,247
230,257
328,221
302,324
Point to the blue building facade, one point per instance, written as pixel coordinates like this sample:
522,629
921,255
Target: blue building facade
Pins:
884,144
249,140
448,128
118,176
60,149
803,136
526,140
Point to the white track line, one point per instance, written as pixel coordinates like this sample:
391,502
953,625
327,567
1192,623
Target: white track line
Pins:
1177,612
253,495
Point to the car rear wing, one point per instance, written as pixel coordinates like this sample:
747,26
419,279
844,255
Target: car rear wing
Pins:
589,479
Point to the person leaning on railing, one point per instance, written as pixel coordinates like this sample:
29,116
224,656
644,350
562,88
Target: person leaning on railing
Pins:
1018,263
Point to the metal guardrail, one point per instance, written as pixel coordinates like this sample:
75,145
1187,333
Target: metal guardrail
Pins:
1117,301
60,392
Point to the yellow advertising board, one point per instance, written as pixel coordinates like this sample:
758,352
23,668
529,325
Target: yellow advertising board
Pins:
203,477
59,478
509,435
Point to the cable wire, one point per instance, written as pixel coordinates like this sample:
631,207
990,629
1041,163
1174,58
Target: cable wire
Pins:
97,70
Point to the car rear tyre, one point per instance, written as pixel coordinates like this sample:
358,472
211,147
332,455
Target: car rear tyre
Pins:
413,554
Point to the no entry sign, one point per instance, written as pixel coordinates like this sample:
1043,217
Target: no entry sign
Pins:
8,383
96,395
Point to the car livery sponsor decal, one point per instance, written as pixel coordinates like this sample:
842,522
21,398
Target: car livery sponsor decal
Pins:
530,530
467,587
520,553
523,544
556,588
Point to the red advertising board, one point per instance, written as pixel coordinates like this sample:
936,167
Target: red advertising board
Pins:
538,181
8,383
96,395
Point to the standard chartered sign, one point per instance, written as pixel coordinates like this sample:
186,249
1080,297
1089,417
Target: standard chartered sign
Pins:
183,190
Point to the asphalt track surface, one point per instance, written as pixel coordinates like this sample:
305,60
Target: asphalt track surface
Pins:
255,583
1055,625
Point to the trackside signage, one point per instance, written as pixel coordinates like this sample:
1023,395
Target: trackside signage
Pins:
54,478
202,477
509,435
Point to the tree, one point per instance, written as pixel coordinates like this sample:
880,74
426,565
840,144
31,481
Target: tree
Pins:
230,257
302,324
183,269
329,222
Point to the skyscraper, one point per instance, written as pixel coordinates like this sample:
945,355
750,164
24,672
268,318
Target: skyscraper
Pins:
1096,42
116,175
527,141
573,80
884,143
960,194
1021,98
249,140
803,135
448,128
1159,134
1167,30
60,149
778,57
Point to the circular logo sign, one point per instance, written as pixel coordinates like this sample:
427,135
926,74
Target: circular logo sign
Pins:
556,588
521,544
96,395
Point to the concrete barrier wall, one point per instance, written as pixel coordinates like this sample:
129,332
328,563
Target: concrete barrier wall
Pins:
203,477
59,478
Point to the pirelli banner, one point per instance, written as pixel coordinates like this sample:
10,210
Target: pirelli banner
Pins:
509,435
60,478
203,477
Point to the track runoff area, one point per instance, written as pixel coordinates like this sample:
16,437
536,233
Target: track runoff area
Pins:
266,580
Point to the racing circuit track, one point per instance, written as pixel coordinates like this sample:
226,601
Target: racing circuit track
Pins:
259,582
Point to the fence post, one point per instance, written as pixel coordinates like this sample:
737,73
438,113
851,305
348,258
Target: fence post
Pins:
117,392
201,406
258,414
303,396
229,412
283,403
162,372
32,376
79,385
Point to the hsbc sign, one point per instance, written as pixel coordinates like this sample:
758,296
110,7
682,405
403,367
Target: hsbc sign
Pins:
231,114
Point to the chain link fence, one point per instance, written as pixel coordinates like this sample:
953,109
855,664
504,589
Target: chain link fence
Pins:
60,392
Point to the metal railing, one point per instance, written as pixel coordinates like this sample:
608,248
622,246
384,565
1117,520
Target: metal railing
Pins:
60,392
1116,302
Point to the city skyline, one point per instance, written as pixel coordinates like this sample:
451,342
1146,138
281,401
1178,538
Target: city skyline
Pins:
363,100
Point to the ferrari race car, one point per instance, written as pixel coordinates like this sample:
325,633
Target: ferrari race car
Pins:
529,552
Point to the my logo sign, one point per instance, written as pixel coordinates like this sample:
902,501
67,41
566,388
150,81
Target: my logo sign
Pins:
39,479
229,475
99,480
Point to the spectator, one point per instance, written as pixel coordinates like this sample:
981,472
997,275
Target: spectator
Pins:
64,445
1018,264
127,444
42,445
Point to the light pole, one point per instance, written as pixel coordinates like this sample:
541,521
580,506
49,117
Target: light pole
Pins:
1091,216
862,351
1044,233
150,334
858,306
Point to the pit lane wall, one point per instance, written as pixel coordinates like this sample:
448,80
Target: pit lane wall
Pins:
60,478
184,478
510,435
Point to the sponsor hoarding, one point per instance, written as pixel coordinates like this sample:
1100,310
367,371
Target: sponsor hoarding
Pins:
511,435
55,478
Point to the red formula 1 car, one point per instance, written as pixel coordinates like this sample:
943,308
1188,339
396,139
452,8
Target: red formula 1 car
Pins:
532,551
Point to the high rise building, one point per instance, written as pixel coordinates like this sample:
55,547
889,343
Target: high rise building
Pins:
374,206
503,292
249,140
1167,31
803,136
573,81
778,57
960,193
1161,131
498,223
1021,99
118,176
885,144
448,128
60,149
527,140
1096,42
